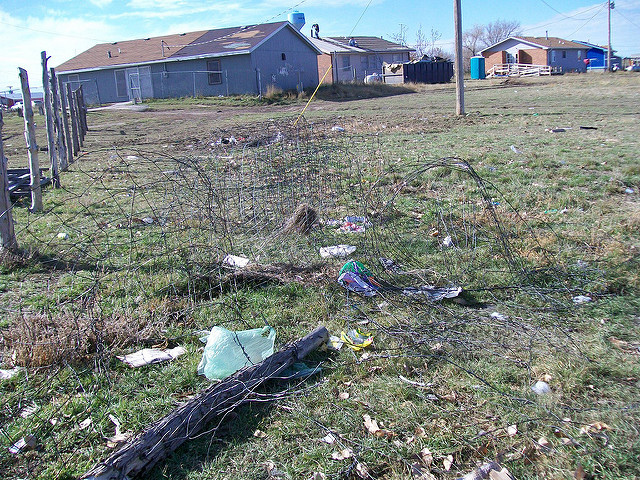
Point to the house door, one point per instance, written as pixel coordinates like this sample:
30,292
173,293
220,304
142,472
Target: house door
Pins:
139,84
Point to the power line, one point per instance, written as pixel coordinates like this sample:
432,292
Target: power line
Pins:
570,16
625,17
361,15
563,19
585,23
285,11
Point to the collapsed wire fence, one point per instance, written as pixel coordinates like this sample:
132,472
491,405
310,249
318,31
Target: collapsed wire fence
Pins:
144,248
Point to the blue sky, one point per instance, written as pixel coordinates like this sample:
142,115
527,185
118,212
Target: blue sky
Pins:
65,28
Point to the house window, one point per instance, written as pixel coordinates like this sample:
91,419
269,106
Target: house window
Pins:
215,75
284,56
579,54
564,54
121,84
553,56
346,61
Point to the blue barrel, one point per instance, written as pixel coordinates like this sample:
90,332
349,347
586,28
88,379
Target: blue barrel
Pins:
297,19
477,68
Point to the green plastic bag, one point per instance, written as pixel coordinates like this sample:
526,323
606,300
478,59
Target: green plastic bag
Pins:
227,352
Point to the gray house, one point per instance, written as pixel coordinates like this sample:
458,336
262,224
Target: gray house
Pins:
353,58
239,60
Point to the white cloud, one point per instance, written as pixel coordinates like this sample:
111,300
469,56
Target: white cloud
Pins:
38,34
101,3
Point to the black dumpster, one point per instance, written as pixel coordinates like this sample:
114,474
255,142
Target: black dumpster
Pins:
428,72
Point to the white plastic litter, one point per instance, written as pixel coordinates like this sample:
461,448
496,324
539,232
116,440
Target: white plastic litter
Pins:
447,242
236,261
148,356
516,150
541,388
498,316
337,251
8,374
337,129
580,299
28,442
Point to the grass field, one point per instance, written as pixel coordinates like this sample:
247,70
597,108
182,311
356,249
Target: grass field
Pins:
128,254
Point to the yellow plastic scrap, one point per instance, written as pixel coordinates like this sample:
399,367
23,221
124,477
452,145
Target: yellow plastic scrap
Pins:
356,340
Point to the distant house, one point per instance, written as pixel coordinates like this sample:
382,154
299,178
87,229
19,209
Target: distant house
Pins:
238,60
353,58
10,97
557,54
597,56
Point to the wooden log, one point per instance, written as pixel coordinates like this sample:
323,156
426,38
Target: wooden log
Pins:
65,121
140,454
74,120
51,139
60,139
7,232
32,145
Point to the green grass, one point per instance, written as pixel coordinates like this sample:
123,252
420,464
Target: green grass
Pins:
117,284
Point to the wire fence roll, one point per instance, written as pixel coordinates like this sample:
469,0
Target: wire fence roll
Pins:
143,248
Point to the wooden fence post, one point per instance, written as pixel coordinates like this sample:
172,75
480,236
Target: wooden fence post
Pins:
60,140
32,146
74,120
7,233
65,121
76,109
49,121
82,109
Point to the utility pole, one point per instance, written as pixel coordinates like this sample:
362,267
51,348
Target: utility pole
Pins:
457,13
611,7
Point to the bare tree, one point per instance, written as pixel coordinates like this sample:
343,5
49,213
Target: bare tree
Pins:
497,31
435,36
473,40
472,43
439,52
421,45
401,36
480,37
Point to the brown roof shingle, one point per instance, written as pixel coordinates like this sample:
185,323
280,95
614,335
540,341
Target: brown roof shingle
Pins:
222,41
552,42
128,52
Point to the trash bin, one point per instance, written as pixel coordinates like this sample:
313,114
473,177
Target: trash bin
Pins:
477,68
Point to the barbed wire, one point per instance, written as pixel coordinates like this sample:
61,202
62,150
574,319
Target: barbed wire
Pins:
143,241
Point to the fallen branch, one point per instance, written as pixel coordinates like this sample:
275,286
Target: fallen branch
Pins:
160,439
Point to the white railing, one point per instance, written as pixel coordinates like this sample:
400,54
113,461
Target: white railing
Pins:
519,70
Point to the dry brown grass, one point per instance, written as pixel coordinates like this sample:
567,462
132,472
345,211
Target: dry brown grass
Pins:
37,340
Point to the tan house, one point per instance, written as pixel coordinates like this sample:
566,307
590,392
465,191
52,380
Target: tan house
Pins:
353,58
555,54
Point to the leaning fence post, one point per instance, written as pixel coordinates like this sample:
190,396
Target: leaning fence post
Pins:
65,121
7,233
32,145
60,141
49,121
74,120
82,111
77,114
